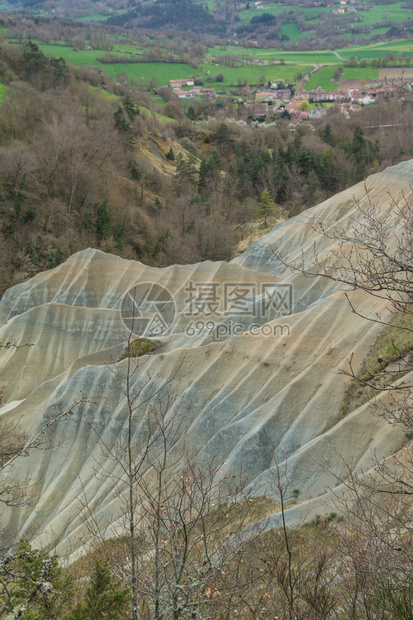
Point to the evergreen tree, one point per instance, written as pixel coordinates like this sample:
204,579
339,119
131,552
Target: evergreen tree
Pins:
358,149
313,184
20,196
191,113
121,123
105,599
119,235
131,108
34,586
87,222
266,206
204,170
358,144
35,62
282,175
170,155
186,169
328,137
61,70
215,162
103,219
223,137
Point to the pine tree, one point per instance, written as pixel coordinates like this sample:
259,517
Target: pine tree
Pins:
132,109
328,137
104,600
87,222
204,170
103,226
191,113
266,206
313,184
170,155
186,169
223,137
358,144
358,149
121,123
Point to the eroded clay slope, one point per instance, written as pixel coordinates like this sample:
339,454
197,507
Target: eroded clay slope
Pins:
244,393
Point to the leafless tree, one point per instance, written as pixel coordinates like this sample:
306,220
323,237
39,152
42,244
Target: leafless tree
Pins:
179,526
375,255
298,562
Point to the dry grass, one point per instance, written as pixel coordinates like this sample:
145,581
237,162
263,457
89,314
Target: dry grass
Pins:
392,346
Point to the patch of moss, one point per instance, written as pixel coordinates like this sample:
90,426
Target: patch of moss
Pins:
139,347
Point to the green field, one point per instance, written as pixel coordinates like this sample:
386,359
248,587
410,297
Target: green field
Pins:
163,71
291,30
93,17
3,90
379,50
100,16
250,73
377,31
379,12
322,57
135,71
322,78
86,57
295,62
275,9
169,71
357,73
375,14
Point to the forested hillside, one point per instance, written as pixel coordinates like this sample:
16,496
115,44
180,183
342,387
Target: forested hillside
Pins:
87,161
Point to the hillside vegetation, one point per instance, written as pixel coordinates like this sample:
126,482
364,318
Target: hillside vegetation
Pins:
89,161
292,24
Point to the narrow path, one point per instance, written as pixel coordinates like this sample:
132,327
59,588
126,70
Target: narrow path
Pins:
338,56
307,75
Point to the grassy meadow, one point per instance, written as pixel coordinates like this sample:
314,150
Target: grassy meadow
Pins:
293,63
322,78
378,50
169,71
275,9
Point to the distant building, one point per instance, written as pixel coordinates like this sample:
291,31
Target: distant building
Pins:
293,106
208,93
260,109
266,95
318,95
180,83
382,92
283,93
178,92
196,90
316,113
348,108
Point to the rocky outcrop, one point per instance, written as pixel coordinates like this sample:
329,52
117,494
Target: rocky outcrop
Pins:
255,351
